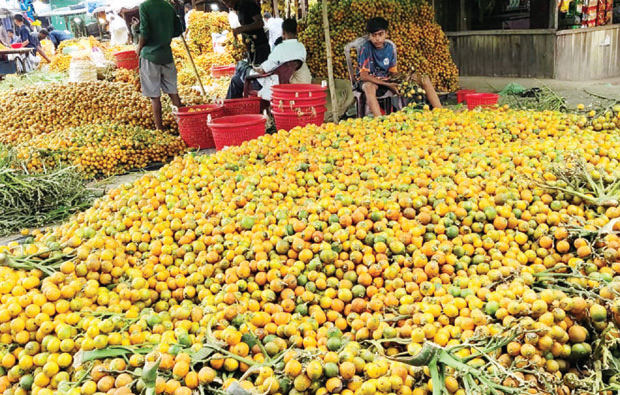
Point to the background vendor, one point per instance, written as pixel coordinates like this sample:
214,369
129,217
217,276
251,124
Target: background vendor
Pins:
55,36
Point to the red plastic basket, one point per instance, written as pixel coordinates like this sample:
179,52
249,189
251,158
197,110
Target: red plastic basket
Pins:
193,126
236,129
223,71
250,105
298,91
305,101
484,100
127,60
17,45
289,120
460,95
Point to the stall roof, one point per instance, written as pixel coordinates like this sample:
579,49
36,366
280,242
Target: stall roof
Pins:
7,11
63,12
118,5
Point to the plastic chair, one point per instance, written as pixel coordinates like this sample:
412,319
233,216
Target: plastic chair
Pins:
284,72
360,97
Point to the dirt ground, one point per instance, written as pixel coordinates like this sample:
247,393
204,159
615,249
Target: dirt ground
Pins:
588,93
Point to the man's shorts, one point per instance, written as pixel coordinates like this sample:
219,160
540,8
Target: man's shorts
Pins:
381,89
156,78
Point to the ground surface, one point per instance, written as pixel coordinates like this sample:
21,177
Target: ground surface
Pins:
575,92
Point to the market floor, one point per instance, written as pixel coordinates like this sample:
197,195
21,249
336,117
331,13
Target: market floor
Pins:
588,93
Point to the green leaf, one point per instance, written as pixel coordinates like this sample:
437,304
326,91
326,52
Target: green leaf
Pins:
110,352
113,352
149,375
202,354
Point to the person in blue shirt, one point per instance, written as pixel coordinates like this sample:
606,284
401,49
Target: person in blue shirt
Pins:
55,36
378,67
13,38
30,40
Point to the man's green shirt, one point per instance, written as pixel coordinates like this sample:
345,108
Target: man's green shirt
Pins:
159,23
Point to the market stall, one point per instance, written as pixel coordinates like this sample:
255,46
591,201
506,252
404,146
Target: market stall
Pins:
572,40
11,60
74,19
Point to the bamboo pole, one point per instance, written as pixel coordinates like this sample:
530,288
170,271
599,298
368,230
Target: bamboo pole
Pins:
276,11
330,67
204,93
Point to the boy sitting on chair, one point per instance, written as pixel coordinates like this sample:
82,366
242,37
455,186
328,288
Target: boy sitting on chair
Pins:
377,63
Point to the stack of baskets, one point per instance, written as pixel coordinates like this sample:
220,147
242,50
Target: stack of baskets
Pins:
193,126
295,105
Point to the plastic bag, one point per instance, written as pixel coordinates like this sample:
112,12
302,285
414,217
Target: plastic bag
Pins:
119,34
82,51
48,47
98,57
512,89
82,70
219,41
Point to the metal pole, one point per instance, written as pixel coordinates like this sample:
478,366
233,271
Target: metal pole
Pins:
330,67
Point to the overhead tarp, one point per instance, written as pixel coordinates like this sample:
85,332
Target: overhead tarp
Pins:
9,7
123,5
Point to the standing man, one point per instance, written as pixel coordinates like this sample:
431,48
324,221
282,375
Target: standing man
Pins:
5,38
274,27
158,25
251,29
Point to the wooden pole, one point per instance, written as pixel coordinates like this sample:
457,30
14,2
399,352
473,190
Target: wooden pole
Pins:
204,93
462,22
276,12
553,15
330,67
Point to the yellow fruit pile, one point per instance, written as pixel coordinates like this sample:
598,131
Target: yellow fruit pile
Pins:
337,259
131,77
201,46
46,108
202,25
101,149
419,40
102,127
60,62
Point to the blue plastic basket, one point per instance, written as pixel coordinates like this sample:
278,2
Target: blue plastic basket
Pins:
8,67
